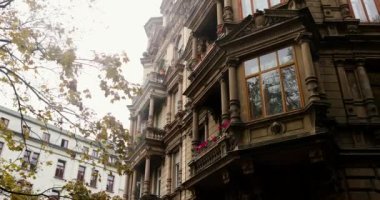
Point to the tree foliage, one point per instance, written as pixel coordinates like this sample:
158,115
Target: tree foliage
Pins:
40,68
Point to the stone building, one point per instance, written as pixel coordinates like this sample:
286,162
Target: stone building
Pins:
259,99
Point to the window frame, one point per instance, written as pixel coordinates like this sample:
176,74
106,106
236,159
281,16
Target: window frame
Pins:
253,8
278,68
362,4
60,170
1,147
110,183
64,143
81,173
94,178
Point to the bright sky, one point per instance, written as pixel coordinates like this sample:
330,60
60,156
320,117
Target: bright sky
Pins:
113,26
109,26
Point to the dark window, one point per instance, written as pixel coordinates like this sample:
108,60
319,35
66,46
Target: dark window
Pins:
1,147
177,177
55,194
81,172
110,182
64,143
59,171
26,159
46,137
94,178
4,123
272,83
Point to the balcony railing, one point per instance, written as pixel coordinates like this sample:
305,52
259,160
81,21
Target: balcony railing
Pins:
154,77
208,155
150,133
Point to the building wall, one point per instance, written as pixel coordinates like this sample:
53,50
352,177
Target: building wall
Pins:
52,152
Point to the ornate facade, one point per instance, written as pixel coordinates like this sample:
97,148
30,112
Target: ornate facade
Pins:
269,99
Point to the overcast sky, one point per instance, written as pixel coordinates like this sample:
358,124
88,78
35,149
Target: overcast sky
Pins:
108,26
114,26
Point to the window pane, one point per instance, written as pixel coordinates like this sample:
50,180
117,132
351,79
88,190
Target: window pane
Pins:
251,66
246,7
372,12
358,10
256,104
272,92
268,61
285,55
292,95
274,2
260,5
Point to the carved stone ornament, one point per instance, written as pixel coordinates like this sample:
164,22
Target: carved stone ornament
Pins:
277,128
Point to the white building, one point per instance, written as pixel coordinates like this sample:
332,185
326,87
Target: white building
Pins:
64,151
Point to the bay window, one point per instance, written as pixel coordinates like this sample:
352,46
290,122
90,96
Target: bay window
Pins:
272,83
249,7
366,10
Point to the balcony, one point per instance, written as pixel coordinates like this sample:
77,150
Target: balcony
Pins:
208,153
150,136
154,77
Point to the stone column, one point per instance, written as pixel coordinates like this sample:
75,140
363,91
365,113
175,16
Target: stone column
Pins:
224,99
343,80
228,15
194,47
138,124
134,181
366,89
169,107
146,188
126,186
168,158
151,111
195,127
179,108
311,78
234,96
219,13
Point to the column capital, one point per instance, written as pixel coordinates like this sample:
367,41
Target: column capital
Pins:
360,62
303,37
232,61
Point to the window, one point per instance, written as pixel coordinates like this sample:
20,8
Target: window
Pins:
249,7
177,177
25,130
34,160
95,153
94,178
85,150
55,194
110,182
112,160
81,172
366,10
1,147
46,137
30,160
64,143
272,83
26,158
4,123
59,171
